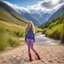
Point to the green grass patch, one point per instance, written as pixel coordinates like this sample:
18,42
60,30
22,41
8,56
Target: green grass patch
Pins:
55,29
37,30
10,34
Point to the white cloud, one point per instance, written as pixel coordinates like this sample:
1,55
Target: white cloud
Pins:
45,6
12,5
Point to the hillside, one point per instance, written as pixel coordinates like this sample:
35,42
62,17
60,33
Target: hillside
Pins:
12,26
10,15
36,20
58,13
55,29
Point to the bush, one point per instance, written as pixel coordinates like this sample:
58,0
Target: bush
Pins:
13,41
54,32
55,29
37,30
3,39
19,33
44,30
62,35
8,34
56,35
51,25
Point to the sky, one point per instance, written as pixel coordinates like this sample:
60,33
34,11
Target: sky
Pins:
23,3
36,6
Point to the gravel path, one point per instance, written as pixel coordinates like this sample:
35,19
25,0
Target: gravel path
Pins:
48,54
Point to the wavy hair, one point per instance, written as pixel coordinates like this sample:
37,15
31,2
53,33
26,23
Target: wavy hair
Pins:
32,27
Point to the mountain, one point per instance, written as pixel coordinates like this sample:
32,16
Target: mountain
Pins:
30,17
55,29
36,18
10,15
37,13
58,13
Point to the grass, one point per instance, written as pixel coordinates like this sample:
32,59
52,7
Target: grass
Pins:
12,26
3,39
55,29
8,17
13,41
62,34
10,34
37,30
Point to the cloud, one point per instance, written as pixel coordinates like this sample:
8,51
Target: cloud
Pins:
12,5
51,3
45,6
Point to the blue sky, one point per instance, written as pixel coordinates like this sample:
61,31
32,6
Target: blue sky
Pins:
23,3
36,6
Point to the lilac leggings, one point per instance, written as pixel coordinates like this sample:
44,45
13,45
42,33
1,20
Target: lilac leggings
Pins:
30,45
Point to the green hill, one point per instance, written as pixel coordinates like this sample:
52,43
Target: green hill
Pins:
9,34
10,15
55,29
12,26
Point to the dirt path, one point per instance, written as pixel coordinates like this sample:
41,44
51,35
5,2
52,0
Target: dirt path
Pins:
49,55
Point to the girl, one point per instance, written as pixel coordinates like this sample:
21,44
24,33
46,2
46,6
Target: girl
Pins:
30,39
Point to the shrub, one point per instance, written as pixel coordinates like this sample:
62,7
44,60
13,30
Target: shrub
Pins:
54,32
3,39
13,41
51,25
19,33
37,30
62,35
44,30
56,35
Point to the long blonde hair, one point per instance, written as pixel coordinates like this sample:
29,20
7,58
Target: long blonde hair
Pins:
32,27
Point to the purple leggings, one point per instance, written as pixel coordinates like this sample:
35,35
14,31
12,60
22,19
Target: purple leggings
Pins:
30,45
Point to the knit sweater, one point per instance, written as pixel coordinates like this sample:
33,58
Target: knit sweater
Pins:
30,34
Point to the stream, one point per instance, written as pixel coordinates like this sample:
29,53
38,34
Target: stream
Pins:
41,39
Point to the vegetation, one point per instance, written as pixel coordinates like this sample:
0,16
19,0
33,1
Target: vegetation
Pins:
10,15
37,30
9,33
12,26
55,29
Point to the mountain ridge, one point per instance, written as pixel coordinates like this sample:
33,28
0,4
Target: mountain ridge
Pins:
6,10
58,13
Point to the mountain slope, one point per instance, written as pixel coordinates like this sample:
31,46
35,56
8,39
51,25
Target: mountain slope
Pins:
55,29
10,15
58,13
36,20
